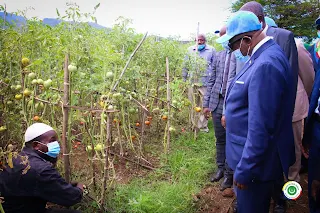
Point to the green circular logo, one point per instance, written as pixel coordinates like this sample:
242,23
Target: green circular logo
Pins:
292,190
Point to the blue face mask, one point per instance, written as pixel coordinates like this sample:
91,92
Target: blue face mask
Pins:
225,45
239,56
318,33
53,149
201,46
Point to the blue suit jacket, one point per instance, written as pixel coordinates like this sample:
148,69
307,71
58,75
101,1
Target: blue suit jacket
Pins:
307,139
259,108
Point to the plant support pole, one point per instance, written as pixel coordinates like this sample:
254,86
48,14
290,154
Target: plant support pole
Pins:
129,60
65,145
168,104
106,164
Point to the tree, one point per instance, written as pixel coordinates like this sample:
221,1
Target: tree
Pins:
297,16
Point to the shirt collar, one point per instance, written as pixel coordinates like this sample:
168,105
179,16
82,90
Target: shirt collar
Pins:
263,41
265,28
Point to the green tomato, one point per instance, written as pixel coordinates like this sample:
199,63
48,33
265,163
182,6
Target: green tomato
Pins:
89,148
116,95
18,87
39,106
18,96
32,76
132,110
34,82
98,147
72,68
9,103
109,75
3,128
27,92
110,107
47,83
40,81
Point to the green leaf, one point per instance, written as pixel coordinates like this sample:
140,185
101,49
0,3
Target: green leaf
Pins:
96,7
57,12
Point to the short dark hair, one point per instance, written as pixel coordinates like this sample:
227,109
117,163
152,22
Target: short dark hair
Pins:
253,7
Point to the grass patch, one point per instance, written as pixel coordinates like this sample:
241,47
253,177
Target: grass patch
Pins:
169,188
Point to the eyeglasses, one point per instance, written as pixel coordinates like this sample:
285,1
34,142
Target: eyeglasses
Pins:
230,44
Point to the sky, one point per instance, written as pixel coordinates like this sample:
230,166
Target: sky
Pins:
158,17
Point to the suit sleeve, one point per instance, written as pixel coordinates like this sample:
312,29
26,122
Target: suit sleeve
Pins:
292,55
211,81
53,188
264,95
231,75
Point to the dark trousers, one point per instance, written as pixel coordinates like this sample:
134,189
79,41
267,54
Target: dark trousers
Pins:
314,166
220,134
255,199
62,211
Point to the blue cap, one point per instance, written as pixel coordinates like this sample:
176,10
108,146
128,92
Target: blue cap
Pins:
240,22
270,22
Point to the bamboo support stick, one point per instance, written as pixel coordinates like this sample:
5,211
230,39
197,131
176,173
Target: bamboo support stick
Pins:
65,145
106,164
129,60
168,105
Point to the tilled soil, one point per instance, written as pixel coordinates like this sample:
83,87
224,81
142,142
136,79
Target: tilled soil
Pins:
212,200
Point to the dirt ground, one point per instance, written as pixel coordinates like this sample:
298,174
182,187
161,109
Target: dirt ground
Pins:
211,200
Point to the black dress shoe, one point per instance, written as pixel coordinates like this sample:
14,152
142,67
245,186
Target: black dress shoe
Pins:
226,183
216,177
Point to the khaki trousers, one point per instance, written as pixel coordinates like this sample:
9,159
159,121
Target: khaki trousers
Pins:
298,134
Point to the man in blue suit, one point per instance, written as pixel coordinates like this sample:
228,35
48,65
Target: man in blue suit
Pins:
311,142
259,108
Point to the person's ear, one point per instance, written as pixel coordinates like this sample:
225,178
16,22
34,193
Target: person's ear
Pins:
35,145
261,19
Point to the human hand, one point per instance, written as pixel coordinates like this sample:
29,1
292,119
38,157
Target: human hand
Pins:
239,185
80,186
305,150
223,121
206,112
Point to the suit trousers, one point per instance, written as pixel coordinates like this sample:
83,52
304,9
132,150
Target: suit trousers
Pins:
220,134
298,135
195,95
314,166
255,198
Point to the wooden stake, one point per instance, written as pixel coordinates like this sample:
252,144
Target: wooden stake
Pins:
168,105
129,60
106,164
65,144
